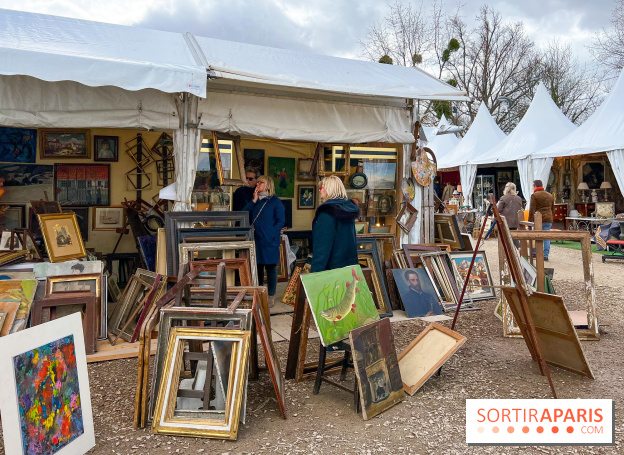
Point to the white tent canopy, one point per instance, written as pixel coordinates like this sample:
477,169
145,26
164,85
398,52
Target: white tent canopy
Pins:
442,144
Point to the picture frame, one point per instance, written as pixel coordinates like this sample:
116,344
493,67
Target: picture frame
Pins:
412,215
567,164
186,250
306,197
567,180
282,171
82,185
49,339
61,235
426,354
304,170
417,304
82,215
381,203
361,227
26,182
446,225
221,426
18,145
43,270
592,173
236,153
9,308
481,272
64,143
375,284
132,180
109,218
106,148
335,152
380,175
254,159
529,272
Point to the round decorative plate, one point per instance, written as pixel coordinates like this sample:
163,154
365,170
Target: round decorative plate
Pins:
407,187
423,167
358,181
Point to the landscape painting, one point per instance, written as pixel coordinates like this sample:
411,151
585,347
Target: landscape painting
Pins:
480,276
282,171
65,144
18,145
376,367
27,182
381,176
48,394
340,301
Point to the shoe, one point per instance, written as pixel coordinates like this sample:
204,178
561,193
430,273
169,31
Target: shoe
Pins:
271,301
546,259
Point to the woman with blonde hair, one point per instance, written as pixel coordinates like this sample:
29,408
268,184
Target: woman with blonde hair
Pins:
509,205
333,228
266,213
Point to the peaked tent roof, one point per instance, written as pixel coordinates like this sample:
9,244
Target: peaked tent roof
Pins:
542,125
483,134
442,144
53,49
601,132
249,63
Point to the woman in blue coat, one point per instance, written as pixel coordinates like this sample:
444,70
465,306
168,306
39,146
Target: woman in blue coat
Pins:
333,228
266,213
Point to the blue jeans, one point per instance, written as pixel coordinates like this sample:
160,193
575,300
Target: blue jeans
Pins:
546,227
271,270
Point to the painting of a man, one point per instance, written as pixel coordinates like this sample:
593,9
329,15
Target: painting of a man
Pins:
417,293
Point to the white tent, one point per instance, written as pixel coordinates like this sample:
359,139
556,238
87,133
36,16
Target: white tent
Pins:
603,131
442,144
483,134
59,72
542,125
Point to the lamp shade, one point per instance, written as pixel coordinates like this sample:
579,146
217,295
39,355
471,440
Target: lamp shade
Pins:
605,186
583,186
459,188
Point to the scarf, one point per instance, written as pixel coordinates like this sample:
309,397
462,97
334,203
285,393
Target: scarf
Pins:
538,188
263,195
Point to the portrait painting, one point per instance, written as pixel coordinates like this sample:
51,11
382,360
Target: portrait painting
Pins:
480,275
282,171
567,179
61,235
18,145
82,184
376,367
12,217
106,148
381,203
65,144
304,169
254,159
592,173
306,197
417,293
26,182
340,301
45,401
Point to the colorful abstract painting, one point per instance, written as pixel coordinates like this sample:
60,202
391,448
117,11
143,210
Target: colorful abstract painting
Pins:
340,301
48,397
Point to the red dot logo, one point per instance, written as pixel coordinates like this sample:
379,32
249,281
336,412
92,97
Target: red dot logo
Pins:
525,429
570,430
510,429
540,430
555,429
495,429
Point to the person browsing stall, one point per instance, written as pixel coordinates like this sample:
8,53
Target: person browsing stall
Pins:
509,205
266,213
245,194
333,228
544,202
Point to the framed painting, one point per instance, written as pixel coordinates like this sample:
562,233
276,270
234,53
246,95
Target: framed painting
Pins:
446,225
361,227
417,292
82,184
109,218
306,197
592,173
381,203
12,216
407,216
254,159
82,216
376,367
106,148
340,301
304,169
26,182
67,143
18,145
45,269
282,171
480,276
61,235
380,175
36,363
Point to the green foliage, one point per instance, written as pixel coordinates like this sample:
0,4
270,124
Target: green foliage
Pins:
452,82
453,45
386,59
442,107
416,59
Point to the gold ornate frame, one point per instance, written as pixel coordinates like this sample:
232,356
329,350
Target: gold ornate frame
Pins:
45,218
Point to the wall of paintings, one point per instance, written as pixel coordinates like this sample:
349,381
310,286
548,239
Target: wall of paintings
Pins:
82,169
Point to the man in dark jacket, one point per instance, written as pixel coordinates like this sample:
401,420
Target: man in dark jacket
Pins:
244,194
542,201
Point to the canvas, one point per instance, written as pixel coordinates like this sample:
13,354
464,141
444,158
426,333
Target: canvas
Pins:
254,158
27,182
340,301
82,217
376,367
306,197
45,399
65,144
381,176
304,169
480,275
12,217
106,148
18,145
282,171
417,293
46,269
82,184
22,291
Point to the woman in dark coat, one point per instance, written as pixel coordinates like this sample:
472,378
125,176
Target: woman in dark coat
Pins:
266,213
509,205
333,228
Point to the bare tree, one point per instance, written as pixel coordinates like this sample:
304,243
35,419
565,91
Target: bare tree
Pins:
608,45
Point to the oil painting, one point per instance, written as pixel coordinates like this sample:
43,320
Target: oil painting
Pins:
65,144
417,293
480,276
22,291
340,301
26,182
376,367
282,171
18,145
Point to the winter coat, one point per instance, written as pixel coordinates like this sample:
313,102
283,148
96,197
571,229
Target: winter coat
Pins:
267,227
508,206
333,235
543,202
242,196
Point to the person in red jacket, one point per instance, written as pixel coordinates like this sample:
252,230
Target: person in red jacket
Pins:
544,202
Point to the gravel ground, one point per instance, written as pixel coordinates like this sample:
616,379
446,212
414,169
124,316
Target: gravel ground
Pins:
432,421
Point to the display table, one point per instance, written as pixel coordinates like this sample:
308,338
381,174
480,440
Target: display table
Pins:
581,223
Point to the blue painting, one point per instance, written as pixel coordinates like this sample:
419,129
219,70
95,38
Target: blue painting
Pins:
417,293
48,397
18,145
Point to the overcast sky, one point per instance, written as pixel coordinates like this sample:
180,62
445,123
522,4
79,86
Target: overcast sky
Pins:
331,27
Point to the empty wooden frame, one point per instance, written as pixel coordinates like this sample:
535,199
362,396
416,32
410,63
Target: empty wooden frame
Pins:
412,216
446,230
186,250
426,354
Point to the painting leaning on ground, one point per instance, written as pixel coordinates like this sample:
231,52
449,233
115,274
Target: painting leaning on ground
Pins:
48,397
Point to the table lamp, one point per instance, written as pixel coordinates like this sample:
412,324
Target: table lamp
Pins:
583,187
605,186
